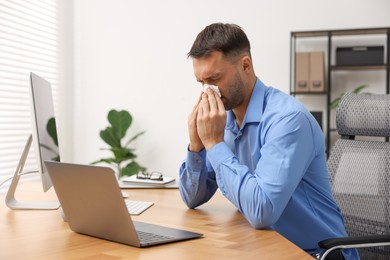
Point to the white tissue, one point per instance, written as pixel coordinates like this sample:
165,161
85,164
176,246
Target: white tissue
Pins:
214,88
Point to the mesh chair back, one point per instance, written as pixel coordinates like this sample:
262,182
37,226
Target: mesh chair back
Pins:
360,170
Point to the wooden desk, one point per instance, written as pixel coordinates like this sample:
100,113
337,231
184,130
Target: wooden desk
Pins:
34,234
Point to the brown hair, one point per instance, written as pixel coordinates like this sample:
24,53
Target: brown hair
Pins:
229,39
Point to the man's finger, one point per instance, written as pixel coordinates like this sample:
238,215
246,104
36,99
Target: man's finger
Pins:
211,98
219,102
204,103
197,103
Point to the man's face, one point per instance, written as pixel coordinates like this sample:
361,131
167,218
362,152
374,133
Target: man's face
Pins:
216,70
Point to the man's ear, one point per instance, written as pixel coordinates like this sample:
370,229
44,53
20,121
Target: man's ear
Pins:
246,63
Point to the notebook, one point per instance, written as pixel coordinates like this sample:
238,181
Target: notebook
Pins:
134,179
93,205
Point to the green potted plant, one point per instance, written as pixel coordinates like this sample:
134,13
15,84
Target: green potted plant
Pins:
123,156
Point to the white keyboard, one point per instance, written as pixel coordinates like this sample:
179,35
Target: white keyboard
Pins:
137,207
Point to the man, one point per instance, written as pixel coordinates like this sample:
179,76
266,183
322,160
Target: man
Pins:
259,146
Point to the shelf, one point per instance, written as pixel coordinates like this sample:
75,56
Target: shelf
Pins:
310,34
334,38
343,32
358,67
308,93
360,31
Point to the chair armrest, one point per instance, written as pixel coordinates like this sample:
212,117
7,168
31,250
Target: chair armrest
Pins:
329,243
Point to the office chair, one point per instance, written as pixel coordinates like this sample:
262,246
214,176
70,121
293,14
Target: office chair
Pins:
360,175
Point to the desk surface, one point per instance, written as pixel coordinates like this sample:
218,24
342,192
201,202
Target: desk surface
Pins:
35,234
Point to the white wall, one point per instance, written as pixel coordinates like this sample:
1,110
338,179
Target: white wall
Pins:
132,55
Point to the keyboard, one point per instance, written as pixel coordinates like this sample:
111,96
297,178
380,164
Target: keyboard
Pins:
137,207
146,237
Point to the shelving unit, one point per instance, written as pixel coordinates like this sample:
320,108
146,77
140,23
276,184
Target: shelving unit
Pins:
327,41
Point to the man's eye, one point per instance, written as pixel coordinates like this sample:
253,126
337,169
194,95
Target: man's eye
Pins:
211,82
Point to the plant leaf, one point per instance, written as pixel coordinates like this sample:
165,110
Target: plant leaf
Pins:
52,130
335,103
109,137
131,169
120,122
134,137
105,160
358,89
123,153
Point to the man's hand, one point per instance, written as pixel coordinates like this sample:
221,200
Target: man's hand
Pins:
211,119
195,143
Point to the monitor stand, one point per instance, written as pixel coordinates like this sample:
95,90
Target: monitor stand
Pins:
10,200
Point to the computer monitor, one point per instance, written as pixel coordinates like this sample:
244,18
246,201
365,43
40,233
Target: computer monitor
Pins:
44,129
45,139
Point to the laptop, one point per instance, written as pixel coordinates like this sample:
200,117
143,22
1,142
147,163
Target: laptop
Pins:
92,202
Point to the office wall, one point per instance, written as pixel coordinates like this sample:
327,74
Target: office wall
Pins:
132,55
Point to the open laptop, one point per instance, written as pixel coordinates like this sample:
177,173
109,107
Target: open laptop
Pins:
93,205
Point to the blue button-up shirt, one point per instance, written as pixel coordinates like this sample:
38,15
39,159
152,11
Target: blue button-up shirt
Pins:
273,169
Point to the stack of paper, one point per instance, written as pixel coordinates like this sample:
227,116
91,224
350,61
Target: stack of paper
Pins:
133,179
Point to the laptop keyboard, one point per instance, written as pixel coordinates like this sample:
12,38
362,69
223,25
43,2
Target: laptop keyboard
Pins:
137,207
146,237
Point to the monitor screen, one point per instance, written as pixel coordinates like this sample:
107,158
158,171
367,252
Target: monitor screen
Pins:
44,130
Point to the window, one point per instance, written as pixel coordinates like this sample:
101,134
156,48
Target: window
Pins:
29,42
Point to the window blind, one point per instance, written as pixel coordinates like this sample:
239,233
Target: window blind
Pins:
29,42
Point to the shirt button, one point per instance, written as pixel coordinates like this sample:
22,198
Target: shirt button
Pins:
199,161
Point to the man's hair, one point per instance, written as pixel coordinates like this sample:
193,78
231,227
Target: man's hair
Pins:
229,39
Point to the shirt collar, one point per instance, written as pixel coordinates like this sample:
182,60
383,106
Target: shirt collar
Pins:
254,110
